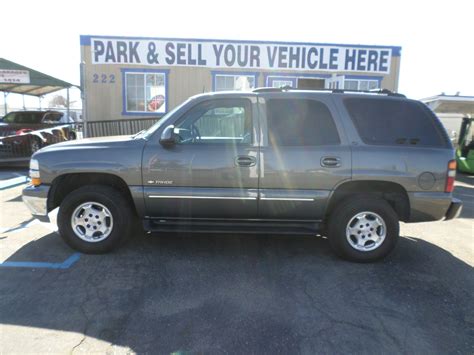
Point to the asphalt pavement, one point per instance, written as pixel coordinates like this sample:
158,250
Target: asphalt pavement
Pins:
234,294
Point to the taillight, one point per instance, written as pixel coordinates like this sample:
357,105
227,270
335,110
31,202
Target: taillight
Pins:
450,176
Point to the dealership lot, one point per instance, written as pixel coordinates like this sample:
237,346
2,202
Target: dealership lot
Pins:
234,294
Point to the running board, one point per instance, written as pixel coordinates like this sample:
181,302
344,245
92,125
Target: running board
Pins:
231,227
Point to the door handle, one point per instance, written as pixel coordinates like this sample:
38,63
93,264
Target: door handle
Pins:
245,160
331,162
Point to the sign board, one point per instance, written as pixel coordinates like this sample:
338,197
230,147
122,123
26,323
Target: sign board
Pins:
248,55
14,76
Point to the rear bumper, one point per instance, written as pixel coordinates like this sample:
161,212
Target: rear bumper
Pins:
454,209
36,199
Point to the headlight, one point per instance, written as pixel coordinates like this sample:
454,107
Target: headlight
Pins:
34,164
34,172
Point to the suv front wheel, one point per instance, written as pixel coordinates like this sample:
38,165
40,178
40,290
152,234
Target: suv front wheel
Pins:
94,219
363,229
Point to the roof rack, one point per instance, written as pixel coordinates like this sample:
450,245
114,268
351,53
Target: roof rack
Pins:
335,91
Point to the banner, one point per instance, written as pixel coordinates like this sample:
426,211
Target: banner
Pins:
221,54
14,76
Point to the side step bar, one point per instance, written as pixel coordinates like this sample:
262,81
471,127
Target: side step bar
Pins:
231,227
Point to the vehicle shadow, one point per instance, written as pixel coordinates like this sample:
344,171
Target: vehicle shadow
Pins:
252,294
15,199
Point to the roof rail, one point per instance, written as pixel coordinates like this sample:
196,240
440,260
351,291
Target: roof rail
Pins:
270,89
335,91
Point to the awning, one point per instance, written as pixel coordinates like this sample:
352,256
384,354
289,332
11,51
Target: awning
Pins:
451,104
19,79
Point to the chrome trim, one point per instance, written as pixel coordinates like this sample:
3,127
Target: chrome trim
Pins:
366,231
286,199
204,197
36,205
36,199
92,222
233,198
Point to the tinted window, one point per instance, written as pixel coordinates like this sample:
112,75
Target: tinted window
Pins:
394,122
217,121
23,117
300,122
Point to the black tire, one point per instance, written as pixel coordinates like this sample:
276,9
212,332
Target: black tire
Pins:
344,213
122,216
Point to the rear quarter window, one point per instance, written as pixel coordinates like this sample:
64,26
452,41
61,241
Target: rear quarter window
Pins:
395,122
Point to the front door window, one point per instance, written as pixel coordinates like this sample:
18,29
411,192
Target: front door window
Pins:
217,122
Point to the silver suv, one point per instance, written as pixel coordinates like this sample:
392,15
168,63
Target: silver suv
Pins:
348,166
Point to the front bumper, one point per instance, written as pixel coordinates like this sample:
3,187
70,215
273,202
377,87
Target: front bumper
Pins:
36,199
454,209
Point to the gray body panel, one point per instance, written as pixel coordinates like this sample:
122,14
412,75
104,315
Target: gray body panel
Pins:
428,206
285,183
120,156
404,166
201,180
294,184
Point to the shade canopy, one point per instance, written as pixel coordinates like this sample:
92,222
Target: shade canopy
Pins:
19,79
451,104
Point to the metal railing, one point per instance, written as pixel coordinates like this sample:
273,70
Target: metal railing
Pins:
118,127
19,146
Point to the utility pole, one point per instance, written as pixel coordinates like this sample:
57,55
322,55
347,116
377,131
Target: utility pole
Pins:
5,101
68,104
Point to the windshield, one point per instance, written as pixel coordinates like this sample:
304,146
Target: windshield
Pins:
158,124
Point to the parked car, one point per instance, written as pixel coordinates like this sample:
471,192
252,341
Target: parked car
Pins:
348,166
25,132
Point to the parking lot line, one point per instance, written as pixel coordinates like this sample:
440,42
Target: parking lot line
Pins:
66,264
6,184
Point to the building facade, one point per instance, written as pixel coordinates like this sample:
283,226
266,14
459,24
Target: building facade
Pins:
130,77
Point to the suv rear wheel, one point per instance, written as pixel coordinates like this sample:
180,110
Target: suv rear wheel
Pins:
363,229
95,219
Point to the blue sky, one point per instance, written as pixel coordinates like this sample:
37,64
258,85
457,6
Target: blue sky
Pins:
436,36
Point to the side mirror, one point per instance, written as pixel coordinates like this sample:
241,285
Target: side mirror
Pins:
168,137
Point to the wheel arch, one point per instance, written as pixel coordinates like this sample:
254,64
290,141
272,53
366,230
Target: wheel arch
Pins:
394,193
64,184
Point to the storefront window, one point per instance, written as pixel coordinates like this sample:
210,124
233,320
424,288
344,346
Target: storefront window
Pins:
226,82
351,85
145,92
281,81
361,84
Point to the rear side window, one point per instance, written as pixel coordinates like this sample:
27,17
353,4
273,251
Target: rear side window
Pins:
23,117
394,122
300,122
